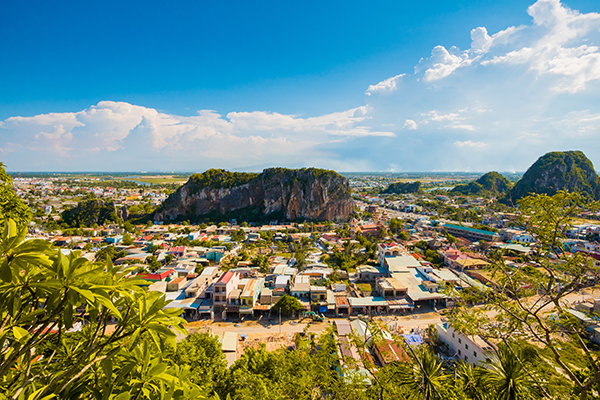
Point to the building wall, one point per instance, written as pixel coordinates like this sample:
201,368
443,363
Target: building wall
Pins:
461,346
221,291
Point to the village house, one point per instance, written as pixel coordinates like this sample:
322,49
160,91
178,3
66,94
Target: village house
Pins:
473,350
223,287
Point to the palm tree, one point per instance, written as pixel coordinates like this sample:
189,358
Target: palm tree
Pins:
473,381
424,377
506,375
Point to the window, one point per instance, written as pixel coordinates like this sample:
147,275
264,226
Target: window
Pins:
466,346
474,354
459,353
453,335
459,340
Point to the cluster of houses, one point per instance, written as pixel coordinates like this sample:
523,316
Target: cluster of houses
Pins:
401,281
52,195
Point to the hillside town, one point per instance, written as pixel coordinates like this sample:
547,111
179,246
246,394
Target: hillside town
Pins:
395,262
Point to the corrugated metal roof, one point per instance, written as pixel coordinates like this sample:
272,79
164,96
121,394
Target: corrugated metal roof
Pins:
343,327
229,341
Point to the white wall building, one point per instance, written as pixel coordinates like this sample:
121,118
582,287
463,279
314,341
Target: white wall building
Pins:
473,349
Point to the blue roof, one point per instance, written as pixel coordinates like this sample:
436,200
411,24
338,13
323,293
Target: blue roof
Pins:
467,229
413,339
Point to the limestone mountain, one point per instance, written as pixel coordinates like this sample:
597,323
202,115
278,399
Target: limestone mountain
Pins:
491,183
558,170
276,193
92,211
403,188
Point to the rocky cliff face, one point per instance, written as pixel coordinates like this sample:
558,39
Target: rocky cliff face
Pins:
570,170
276,193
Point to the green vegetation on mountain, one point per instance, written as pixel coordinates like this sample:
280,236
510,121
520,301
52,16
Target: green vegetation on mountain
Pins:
89,212
555,171
491,183
220,178
403,188
274,194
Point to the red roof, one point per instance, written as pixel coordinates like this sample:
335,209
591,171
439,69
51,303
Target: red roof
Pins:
177,249
156,277
226,277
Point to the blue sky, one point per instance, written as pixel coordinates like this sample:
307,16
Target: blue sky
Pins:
354,86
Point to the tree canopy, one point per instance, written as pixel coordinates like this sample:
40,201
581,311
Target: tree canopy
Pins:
287,305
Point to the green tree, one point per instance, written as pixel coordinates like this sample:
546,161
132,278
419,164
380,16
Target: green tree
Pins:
11,205
546,316
202,353
262,262
425,377
238,236
110,253
395,225
127,240
44,294
506,376
287,305
451,239
153,264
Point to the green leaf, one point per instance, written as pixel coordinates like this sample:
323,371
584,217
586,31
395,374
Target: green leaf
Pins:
34,259
88,295
107,368
68,316
10,229
34,395
109,304
123,396
14,303
5,271
33,246
19,332
158,369
16,239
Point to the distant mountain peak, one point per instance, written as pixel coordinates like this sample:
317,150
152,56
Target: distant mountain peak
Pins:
555,171
491,183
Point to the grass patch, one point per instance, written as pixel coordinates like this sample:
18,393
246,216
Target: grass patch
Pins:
364,287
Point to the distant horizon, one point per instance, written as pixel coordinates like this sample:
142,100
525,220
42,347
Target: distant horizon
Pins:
233,170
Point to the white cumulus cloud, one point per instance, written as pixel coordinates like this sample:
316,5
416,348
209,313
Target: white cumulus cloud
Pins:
410,124
110,134
388,85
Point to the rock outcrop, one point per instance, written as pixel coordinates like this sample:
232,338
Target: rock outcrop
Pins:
568,170
491,183
90,211
276,193
403,188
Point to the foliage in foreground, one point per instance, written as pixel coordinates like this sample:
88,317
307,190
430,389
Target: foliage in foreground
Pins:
73,329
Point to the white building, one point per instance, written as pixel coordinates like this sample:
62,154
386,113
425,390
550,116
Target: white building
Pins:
473,349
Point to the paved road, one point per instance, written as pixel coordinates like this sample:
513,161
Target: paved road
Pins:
254,327
407,323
